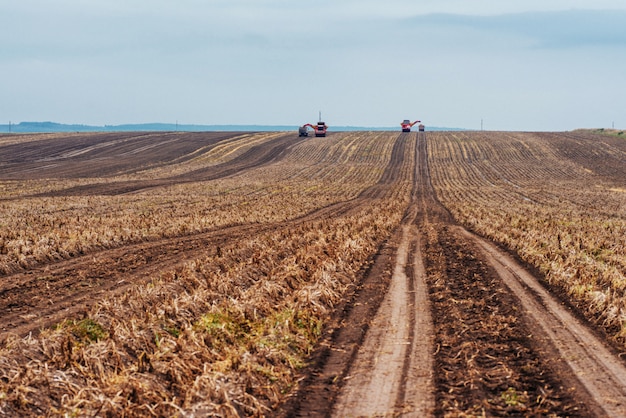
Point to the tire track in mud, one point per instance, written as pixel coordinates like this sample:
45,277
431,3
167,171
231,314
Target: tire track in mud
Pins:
343,335
600,372
485,352
505,346
393,370
488,360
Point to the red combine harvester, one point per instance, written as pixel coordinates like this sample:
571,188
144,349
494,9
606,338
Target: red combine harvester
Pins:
407,125
319,129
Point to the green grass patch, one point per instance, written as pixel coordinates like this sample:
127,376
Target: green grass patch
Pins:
86,330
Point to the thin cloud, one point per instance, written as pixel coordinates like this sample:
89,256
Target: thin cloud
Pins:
563,29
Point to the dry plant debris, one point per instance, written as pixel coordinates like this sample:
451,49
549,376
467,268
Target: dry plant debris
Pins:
557,200
278,233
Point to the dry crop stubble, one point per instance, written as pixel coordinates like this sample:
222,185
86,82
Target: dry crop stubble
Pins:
548,198
40,229
223,334
239,328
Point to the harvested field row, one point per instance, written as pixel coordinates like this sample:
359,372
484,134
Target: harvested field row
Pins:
37,230
487,363
110,154
224,334
488,360
555,199
482,355
253,267
226,331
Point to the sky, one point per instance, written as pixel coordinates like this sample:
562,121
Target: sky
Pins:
531,65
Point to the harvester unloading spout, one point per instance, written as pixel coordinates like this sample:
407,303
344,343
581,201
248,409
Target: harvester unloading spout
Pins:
319,129
407,125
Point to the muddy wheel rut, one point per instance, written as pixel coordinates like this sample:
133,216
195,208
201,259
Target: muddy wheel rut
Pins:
602,373
462,330
393,370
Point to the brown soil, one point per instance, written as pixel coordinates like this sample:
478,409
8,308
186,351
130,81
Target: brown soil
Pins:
443,323
43,296
116,154
497,343
101,155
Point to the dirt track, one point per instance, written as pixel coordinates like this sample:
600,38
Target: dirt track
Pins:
442,322
496,343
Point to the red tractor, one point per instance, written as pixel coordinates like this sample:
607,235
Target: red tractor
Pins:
319,129
407,125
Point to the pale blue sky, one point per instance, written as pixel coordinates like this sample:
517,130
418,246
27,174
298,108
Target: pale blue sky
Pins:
517,65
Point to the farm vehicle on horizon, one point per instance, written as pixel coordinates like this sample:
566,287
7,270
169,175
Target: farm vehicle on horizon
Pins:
319,129
407,125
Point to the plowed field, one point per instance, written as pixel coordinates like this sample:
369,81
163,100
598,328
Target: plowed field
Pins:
361,274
